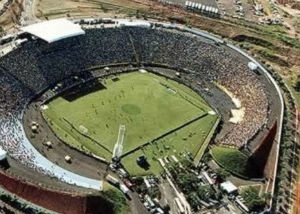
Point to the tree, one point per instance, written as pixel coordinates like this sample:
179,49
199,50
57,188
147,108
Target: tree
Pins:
297,83
1,31
193,200
206,157
256,205
166,208
205,192
267,196
186,181
222,174
117,198
188,164
253,201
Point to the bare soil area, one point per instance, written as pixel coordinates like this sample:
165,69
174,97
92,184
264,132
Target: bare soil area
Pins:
10,18
80,164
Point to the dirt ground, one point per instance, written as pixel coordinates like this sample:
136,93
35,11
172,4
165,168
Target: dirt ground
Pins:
90,167
227,27
81,163
10,18
31,176
83,8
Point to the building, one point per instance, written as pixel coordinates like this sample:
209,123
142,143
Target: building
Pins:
229,187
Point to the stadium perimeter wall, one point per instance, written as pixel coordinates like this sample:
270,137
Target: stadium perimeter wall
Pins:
263,70
61,202
261,155
198,32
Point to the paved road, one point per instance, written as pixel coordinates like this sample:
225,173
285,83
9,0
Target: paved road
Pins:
136,205
86,182
270,78
167,196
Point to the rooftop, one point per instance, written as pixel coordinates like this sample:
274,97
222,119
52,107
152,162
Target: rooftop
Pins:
54,30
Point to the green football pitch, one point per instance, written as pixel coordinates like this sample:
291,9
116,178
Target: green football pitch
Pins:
147,104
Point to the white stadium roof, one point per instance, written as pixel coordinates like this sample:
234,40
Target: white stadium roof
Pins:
3,154
228,187
54,30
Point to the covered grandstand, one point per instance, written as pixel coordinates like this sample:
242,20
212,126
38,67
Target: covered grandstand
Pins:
42,61
54,30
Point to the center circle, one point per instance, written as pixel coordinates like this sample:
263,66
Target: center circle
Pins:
131,109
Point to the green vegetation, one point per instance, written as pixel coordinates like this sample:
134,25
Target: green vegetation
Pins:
118,200
294,85
222,174
205,192
107,186
231,159
141,188
185,181
21,205
147,104
297,83
191,186
205,143
269,55
293,42
189,139
253,201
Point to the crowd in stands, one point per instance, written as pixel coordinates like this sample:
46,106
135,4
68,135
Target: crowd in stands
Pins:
211,62
13,98
48,63
36,65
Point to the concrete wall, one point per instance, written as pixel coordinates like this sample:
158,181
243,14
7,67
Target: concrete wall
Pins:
61,202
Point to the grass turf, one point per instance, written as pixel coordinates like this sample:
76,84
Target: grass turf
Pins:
188,139
116,198
147,104
232,160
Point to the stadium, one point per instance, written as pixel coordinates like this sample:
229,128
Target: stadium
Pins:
87,93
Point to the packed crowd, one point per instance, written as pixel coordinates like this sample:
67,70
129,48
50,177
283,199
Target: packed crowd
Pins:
36,65
75,54
14,96
211,62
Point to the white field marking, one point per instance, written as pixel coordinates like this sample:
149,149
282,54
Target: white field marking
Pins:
172,90
211,112
118,149
44,107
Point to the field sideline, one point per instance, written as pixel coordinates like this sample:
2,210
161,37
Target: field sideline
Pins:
148,105
189,139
